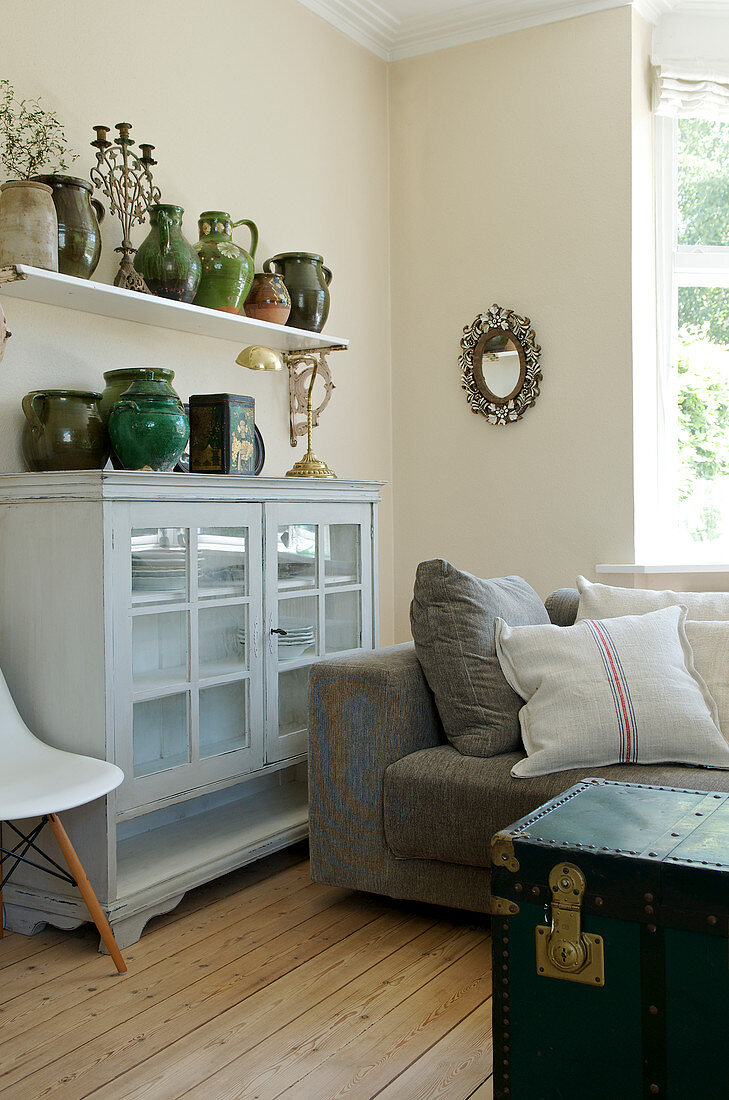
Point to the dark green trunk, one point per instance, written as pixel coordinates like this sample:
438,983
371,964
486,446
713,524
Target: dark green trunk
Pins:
656,869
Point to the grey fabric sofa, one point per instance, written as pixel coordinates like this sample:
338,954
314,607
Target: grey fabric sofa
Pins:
395,809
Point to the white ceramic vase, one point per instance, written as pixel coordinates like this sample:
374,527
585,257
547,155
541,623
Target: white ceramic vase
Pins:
28,225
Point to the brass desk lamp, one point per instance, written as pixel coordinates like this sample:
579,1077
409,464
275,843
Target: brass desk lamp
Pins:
258,357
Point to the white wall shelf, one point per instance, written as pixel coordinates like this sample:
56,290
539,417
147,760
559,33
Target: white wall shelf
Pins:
53,289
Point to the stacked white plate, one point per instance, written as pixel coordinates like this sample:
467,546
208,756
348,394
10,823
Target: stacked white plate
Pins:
159,570
298,638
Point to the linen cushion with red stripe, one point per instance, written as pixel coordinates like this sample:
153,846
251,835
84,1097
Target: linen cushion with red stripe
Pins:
610,691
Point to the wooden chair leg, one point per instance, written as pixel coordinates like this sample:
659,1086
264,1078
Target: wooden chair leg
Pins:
87,892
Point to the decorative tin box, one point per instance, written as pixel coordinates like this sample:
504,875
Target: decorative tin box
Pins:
222,434
610,962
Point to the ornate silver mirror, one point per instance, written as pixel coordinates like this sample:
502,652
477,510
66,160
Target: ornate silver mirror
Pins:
500,365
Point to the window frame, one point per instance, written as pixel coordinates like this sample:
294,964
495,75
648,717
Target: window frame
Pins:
676,266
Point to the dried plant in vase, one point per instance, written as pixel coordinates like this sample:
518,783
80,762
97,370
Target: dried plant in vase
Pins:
31,138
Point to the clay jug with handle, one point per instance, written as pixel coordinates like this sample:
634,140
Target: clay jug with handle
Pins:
79,217
227,269
307,281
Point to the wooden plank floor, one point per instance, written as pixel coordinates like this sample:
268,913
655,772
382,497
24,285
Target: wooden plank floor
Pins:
260,985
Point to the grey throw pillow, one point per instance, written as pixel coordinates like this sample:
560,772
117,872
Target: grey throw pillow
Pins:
453,615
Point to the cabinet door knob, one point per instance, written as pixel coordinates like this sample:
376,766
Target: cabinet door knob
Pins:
278,630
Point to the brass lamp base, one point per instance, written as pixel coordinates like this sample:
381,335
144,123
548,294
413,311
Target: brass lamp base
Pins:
310,466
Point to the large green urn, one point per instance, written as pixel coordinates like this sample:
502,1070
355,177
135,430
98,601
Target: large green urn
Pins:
148,426
167,262
227,269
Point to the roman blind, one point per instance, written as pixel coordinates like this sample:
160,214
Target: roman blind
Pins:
682,94
691,67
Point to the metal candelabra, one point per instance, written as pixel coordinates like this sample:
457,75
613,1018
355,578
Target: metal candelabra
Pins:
126,180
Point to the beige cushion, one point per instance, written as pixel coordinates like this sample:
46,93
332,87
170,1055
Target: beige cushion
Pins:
622,690
710,645
601,601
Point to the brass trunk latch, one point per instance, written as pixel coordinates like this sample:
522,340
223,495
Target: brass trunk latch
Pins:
564,950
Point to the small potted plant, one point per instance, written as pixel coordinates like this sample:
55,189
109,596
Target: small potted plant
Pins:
31,138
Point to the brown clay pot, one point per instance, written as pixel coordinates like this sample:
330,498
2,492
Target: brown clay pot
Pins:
64,431
268,299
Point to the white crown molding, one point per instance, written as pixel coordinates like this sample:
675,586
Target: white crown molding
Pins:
393,39
470,22
362,20
652,10
701,7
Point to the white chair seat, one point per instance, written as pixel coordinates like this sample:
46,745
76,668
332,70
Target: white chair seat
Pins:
38,779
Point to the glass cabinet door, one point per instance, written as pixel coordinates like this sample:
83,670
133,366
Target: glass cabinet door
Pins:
188,619
319,601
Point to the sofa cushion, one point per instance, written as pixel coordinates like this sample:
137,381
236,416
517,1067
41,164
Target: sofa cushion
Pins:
452,617
610,691
709,642
602,601
439,804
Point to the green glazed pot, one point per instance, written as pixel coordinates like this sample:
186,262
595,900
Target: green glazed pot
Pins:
227,269
79,216
168,263
64,431
117,381
148,426
307,281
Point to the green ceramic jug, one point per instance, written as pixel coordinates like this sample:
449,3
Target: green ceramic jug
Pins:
148,426
64,431
168,263
227,269
307,280
79,217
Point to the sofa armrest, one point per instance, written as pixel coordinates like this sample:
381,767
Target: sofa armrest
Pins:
365,712
562,606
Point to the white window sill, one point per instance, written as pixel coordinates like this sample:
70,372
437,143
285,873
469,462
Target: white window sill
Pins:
639,569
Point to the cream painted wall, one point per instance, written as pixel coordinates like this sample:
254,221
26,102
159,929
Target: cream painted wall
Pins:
511,183
261,109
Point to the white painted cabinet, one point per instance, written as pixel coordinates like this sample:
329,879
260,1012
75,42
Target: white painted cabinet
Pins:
168,622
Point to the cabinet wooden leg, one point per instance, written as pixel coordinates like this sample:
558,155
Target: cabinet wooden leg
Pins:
87,892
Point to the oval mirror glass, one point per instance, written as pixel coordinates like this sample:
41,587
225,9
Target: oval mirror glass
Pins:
501,366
